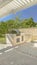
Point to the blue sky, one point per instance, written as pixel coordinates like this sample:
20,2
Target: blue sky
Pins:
23,14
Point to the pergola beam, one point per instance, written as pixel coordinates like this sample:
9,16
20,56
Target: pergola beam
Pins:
16,5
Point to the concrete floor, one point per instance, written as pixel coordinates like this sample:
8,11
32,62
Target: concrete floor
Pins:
2,46
24,54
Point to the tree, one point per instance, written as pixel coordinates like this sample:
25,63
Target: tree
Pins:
28,23
5,27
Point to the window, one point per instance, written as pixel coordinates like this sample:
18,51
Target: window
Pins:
18,40
22,38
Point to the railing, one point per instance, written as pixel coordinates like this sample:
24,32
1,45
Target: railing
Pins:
10,38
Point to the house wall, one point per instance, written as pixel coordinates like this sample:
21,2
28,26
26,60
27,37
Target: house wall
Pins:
27,35
30,33
19,40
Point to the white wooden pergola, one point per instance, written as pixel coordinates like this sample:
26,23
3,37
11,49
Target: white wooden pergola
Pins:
13,6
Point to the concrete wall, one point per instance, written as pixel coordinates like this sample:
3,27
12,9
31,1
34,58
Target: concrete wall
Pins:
30,33
20,39
27,35
26,38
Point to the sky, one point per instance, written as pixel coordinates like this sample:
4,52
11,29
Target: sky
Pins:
23,14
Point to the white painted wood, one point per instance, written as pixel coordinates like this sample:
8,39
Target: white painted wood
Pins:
20,4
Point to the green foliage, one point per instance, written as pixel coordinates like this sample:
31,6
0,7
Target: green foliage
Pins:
28,23
17,23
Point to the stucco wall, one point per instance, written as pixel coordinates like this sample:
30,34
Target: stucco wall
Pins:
29,34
